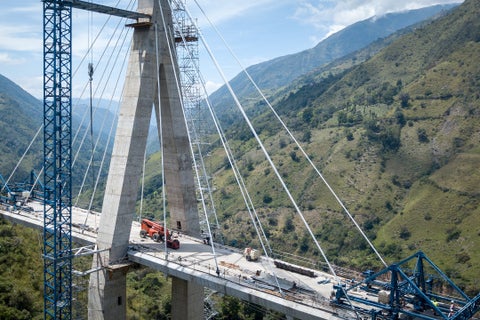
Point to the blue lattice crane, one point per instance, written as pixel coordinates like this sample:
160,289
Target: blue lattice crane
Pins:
57,118
57,107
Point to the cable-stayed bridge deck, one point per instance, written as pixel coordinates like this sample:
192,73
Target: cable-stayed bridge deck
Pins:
306,295
301,296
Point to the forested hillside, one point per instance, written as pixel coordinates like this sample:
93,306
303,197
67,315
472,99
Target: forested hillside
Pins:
20,120
396,136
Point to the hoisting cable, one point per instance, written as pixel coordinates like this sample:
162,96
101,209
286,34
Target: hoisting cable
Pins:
112,126
117,27
90,81
93,43
177,82
86,84
41,126
158,114
105,111
90,76
295,140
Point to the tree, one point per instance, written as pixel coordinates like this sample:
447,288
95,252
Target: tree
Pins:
232,308
422,135
307,115
307,136
400,117
404,100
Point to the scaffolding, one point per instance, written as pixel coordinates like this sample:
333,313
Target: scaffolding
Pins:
186,40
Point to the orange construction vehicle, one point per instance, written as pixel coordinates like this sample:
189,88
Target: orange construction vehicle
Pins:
156,231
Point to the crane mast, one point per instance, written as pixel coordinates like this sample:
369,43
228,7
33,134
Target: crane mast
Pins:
57,106
57,148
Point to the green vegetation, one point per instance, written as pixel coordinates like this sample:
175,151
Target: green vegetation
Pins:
148,294
21,276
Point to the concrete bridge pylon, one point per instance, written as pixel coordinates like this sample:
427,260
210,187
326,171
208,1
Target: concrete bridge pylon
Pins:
143,93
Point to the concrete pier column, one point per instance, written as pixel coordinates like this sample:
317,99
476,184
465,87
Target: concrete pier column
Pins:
187,300
108,302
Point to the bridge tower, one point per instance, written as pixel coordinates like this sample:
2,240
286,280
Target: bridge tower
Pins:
143,93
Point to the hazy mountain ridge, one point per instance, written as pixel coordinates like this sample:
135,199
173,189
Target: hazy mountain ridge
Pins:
22,118
280,71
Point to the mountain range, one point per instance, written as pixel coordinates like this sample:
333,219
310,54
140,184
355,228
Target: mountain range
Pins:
278,72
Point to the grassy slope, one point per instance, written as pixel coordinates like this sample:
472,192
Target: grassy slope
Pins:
419,196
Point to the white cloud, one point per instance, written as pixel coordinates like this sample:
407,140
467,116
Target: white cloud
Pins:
211,86
8,59
33,8
20,38
33,85
331,16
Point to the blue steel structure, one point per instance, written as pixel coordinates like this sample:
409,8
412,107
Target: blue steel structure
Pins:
57,106
57,118
419,287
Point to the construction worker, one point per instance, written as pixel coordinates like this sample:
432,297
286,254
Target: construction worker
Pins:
452,309
435,303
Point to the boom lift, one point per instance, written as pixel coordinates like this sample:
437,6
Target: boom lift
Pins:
157,232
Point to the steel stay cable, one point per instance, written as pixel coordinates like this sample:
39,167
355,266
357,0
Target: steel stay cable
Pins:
81,63
240,180
41,126
292,200
279,177
294,139
22,157
232,161
193,128
100,81
86,85
105,111
112,125
95,40
158,114
177,81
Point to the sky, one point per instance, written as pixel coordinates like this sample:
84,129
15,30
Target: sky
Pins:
254,30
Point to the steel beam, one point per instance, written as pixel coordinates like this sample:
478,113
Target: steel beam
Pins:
88,6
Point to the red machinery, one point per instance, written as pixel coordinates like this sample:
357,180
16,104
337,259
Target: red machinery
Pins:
157,232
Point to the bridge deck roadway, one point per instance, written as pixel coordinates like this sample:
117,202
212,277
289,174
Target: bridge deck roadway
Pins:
301,296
